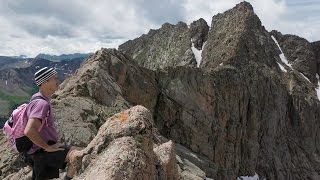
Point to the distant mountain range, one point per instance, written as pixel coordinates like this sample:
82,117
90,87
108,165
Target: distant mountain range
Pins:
8,60
76,56
16,76
24,61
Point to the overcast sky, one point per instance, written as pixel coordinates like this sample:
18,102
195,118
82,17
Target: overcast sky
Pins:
30,27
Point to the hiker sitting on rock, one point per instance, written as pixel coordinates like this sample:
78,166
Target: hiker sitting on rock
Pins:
47,155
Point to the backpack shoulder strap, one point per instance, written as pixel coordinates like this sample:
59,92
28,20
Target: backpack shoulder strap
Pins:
37,97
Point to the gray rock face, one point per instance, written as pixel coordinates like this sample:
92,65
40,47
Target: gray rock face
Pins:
9,160
300,54
124,145
168,46
316,50
106,84
199,33
236,37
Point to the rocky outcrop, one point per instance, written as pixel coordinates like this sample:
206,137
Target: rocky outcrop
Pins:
237,38
300,54
124,147
9,160
105,84
168,46
85,100
199,33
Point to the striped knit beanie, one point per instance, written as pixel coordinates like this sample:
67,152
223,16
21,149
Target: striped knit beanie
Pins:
43,75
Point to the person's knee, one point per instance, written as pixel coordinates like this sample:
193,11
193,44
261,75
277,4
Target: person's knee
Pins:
74,151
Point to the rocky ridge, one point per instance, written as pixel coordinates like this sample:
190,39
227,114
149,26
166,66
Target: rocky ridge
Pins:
316,50
168,46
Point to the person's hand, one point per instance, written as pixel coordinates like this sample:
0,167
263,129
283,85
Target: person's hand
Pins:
54,148
59,145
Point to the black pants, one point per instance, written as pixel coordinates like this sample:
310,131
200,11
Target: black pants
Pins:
46,165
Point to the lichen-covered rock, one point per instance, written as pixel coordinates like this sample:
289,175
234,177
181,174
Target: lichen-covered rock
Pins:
123,149
168,46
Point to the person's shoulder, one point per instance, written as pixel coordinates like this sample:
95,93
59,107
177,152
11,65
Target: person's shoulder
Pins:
40,101
38,97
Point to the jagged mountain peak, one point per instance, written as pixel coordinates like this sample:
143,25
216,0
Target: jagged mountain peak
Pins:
236,37
169,25
168,46
180,45
199,33
244,5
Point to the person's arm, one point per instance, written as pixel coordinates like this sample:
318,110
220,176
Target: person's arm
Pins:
31,131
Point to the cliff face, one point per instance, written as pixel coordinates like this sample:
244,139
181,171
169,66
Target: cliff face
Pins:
243,111
168,46
316,50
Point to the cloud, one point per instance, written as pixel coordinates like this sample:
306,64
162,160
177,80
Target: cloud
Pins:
161,11
59,26
40,18
302,19
207,9
289,17
270,12
67,26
